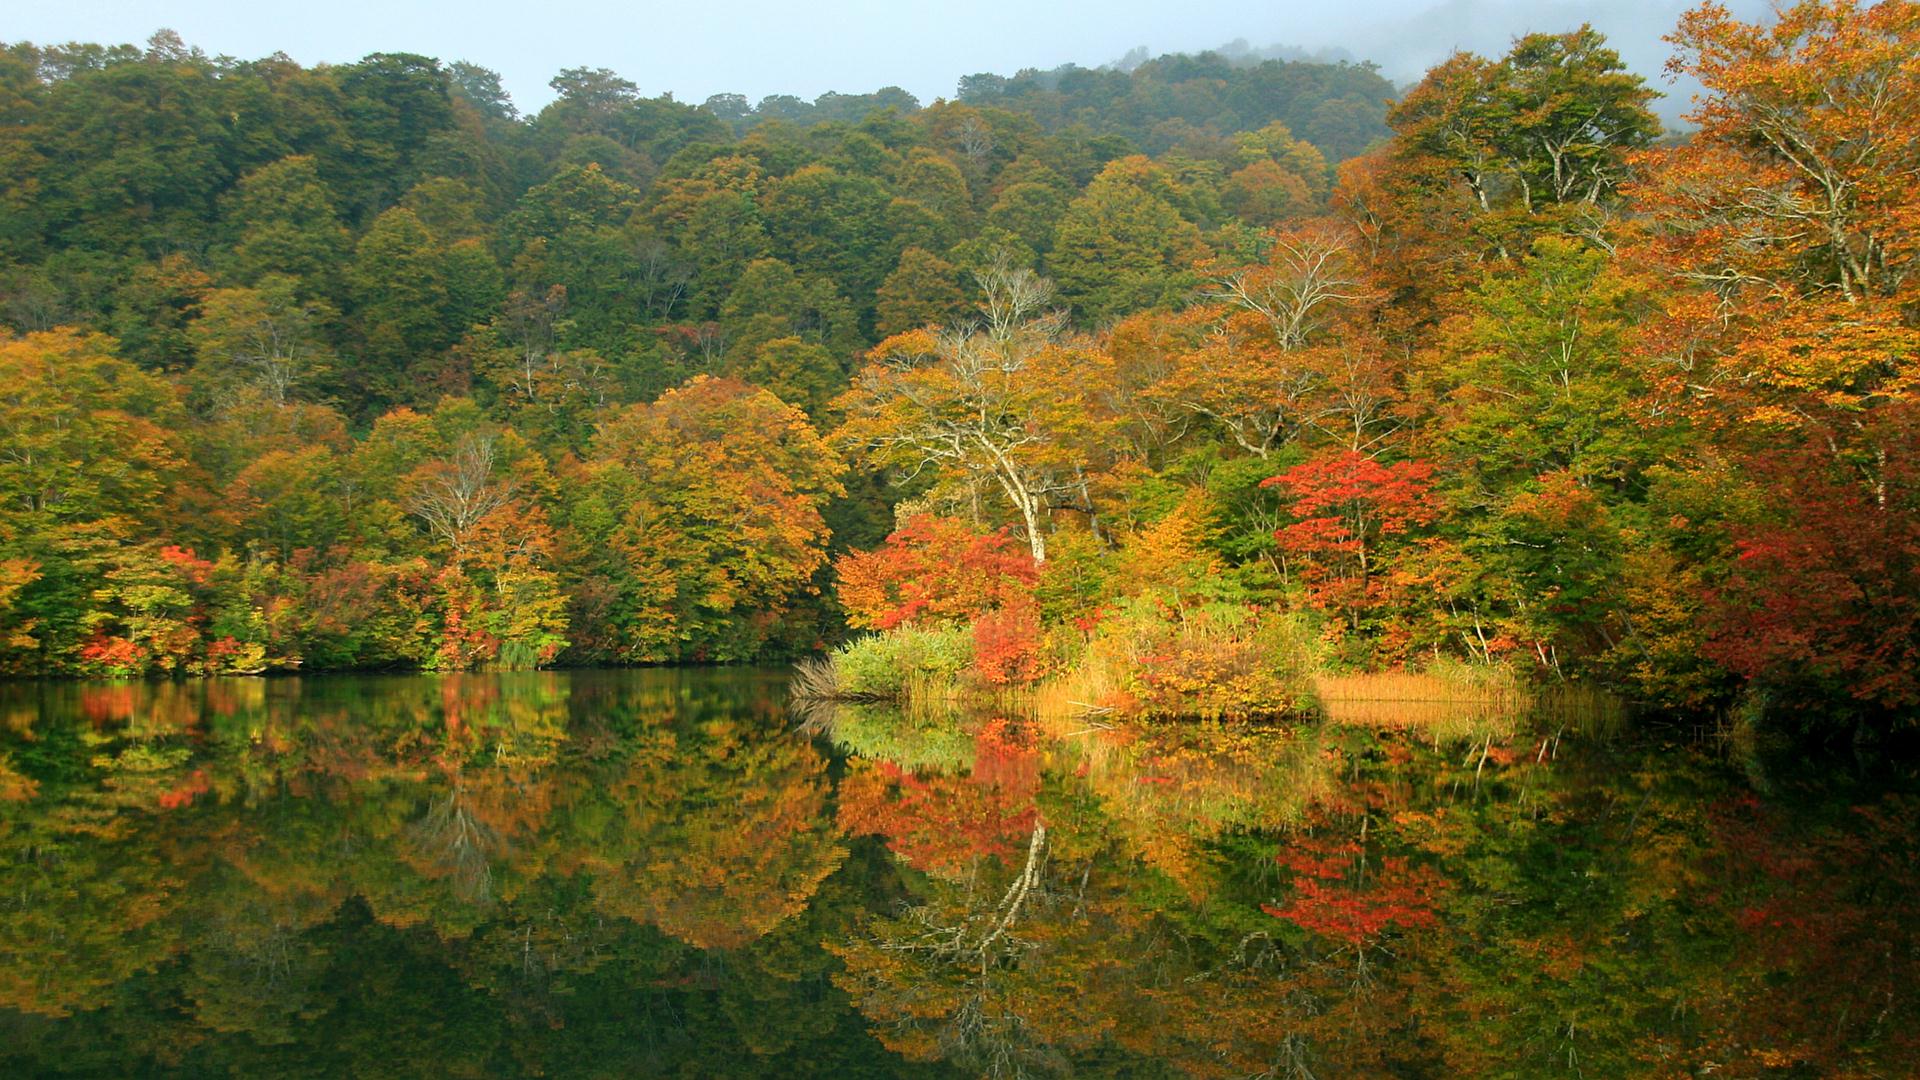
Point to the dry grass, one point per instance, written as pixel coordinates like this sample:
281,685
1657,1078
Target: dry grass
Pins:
1071,700
1467,702
815,679
1403,685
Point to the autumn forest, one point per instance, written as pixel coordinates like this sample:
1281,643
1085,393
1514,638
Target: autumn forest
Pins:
1188,382
1211,565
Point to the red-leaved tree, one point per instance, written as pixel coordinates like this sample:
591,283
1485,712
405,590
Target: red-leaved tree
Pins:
1823,602
935,571
1349,505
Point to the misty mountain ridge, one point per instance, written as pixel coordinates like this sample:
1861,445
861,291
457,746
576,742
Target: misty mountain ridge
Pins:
1403,47
1399,49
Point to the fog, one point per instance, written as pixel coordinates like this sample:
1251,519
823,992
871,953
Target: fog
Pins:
761,47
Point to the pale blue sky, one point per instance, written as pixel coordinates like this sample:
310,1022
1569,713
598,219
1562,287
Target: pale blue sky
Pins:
759,47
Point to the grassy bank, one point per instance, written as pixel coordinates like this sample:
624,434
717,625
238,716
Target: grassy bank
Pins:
1259,667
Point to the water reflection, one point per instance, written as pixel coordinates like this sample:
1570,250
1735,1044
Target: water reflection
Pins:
1446,890
665,872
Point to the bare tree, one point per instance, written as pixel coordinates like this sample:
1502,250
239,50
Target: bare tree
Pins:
987,400
976,141
274,357
453,496
1306,276
531,324
264,343
661,278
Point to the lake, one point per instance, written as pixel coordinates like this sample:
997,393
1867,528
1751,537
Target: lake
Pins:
674,873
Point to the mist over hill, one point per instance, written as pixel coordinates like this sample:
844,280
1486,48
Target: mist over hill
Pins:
1403,46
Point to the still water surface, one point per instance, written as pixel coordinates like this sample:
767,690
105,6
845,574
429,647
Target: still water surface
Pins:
671,873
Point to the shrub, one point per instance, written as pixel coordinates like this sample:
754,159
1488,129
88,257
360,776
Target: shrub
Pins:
1217,661
934,571
1007,646
903,662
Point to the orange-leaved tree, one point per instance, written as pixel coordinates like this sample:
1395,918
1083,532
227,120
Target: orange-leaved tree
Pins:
1794,213
934,570
1006,400
1271,362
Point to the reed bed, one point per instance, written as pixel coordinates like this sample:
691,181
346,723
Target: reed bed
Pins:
923,677
1404,700
1466,702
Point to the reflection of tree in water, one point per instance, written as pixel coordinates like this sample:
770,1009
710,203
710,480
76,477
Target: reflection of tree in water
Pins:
1100,941
944,820
253,968
715,832
85,904
453,842
958,947
951,953
329,868
1171,790
333,871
